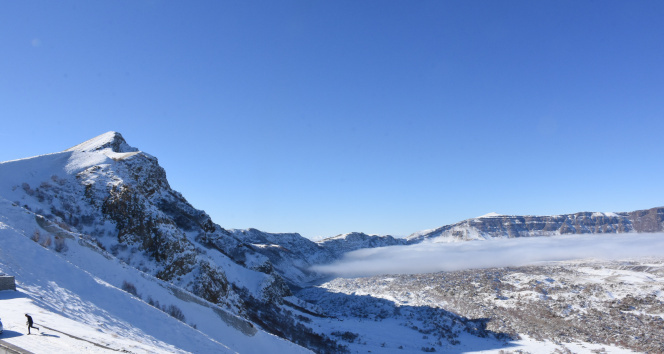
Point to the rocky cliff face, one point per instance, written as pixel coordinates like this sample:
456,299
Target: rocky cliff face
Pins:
119,197
510,226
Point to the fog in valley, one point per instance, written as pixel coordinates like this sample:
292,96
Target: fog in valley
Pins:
435,257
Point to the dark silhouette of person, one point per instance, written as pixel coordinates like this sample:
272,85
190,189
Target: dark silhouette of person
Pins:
30,323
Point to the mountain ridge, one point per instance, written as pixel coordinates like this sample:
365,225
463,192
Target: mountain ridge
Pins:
120,198
115,200
111,140
512,226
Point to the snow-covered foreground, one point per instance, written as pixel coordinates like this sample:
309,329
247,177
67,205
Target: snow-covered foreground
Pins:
80,307
59,334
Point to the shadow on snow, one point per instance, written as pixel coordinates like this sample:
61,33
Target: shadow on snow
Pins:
436,329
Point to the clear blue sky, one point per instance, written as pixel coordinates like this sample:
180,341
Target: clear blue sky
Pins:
326,117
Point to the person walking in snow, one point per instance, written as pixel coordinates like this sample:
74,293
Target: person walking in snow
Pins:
30,323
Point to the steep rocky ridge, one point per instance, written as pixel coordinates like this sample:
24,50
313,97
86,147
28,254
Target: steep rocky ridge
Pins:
119,197
512,226
340,244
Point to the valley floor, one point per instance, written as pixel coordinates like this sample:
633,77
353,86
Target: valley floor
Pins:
588,306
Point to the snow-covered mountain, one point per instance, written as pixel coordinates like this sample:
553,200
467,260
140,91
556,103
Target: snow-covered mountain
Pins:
108,256
340,244
115,200
511,226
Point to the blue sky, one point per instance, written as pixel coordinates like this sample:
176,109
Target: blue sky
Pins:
328,117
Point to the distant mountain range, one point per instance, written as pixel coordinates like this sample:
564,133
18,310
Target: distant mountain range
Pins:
512,226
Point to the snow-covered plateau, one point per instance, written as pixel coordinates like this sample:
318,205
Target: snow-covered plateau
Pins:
106,256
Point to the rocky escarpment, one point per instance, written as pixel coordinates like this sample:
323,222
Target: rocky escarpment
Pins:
119,197
510,226
338,245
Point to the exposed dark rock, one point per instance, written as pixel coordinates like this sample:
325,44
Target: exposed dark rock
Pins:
210,284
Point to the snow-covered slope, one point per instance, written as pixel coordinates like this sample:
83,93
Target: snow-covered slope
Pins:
118,199
288,254
76,299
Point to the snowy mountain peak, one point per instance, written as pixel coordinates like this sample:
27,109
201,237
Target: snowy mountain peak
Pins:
489,215
110,140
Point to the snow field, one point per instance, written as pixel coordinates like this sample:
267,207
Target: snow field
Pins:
81,296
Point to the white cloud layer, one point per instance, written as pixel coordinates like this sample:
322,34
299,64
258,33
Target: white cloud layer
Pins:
435,257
